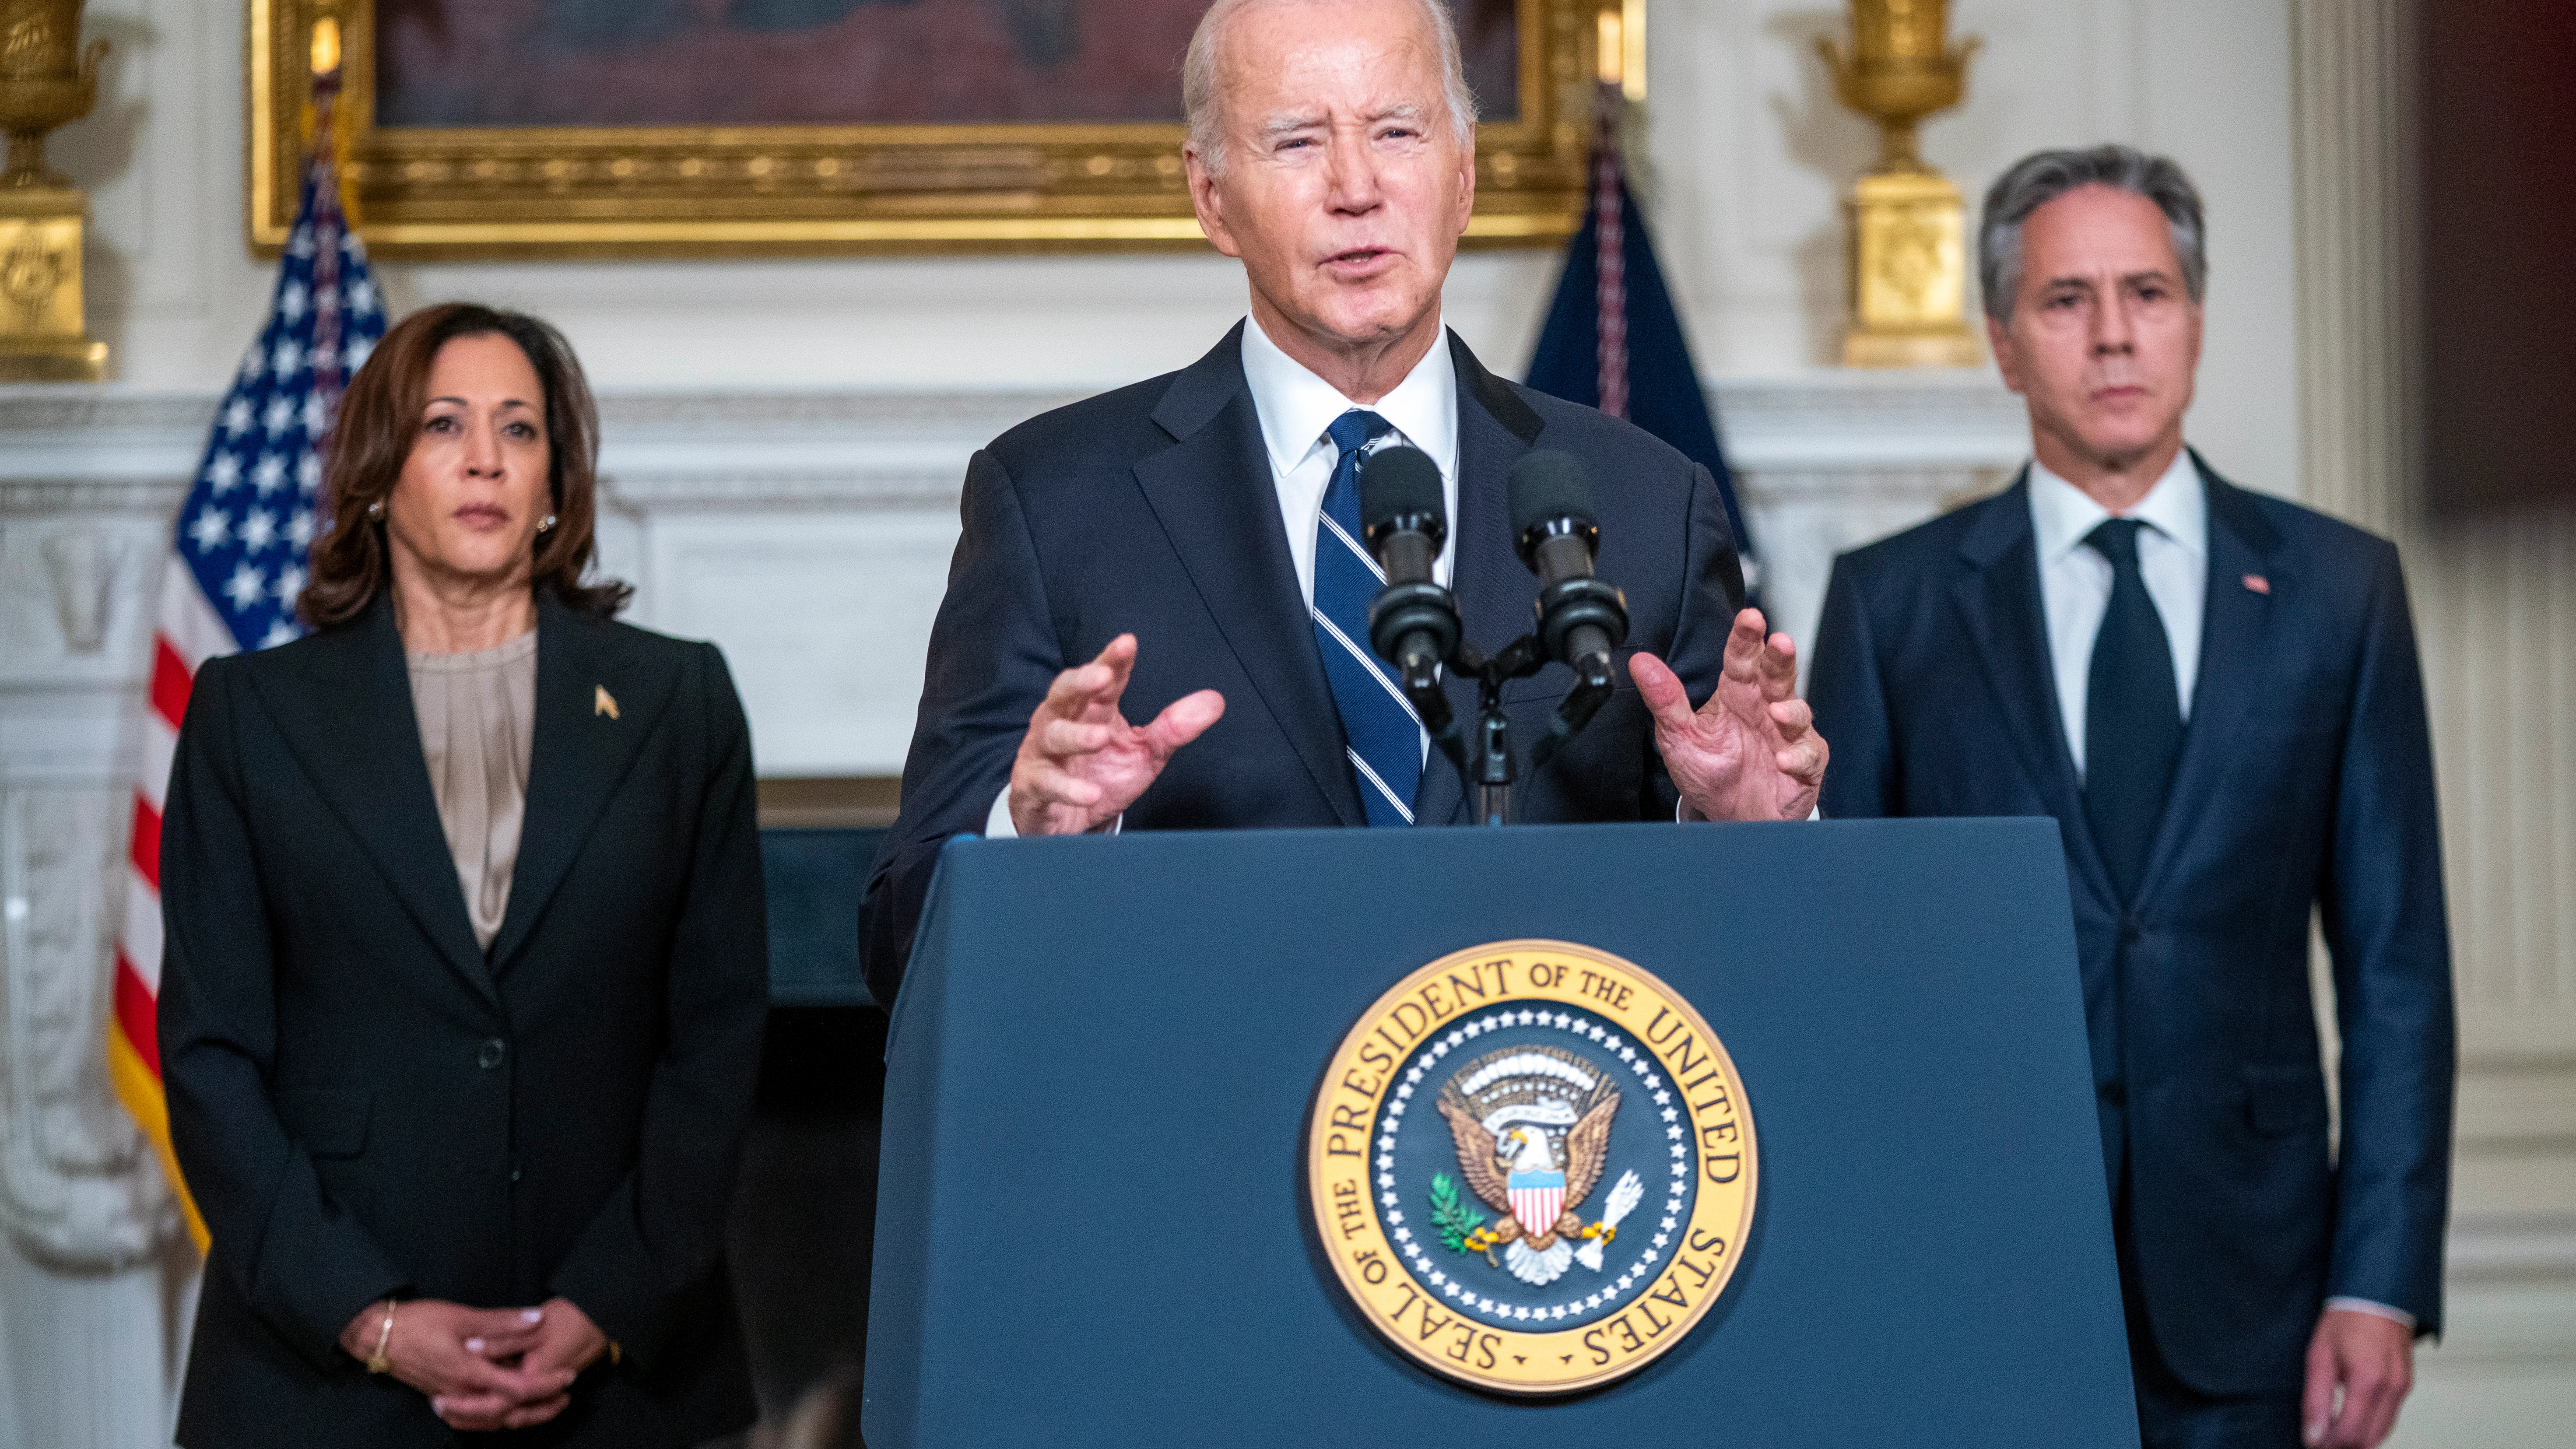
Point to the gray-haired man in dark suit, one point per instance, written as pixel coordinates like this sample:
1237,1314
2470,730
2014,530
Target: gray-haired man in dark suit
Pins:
2216,694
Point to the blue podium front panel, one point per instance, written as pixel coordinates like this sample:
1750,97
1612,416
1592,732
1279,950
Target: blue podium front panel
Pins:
1092,1224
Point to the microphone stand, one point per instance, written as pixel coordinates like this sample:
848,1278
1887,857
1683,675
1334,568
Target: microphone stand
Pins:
1491,775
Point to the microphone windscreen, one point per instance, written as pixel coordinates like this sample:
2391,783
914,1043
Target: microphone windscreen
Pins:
1397,481
1545,485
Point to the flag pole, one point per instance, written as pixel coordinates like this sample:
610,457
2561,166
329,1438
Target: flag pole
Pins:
238,563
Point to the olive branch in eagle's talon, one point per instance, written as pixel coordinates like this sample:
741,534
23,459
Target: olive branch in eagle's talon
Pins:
1462,1230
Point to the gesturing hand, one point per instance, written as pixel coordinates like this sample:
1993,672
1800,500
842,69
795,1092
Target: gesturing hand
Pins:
1751,752
471,1357
1081,763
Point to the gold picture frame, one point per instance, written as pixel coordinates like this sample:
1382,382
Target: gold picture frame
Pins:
631,191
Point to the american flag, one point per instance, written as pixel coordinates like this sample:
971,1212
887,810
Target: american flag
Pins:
1613,338
236,564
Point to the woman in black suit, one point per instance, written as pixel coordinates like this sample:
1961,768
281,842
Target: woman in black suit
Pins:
466,959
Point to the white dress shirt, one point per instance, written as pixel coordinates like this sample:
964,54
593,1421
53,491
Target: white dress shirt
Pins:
1295,406
2075,591
2075,581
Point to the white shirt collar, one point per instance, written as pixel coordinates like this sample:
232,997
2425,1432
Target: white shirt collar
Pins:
2062,514
1295,406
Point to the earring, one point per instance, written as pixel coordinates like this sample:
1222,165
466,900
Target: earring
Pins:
545,523
376,510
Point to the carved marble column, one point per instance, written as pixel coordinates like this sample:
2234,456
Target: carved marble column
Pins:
2495,617
92,1255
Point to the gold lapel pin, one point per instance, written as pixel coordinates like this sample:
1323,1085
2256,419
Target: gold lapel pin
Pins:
603,702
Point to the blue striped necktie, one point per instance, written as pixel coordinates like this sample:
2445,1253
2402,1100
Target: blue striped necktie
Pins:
1382,734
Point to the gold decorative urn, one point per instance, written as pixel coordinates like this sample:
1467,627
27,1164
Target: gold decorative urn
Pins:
1909,254
46,81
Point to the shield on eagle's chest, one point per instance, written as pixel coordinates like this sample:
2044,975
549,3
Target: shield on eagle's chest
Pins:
1537,1199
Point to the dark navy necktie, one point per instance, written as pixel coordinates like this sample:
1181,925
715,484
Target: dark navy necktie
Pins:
2132,715
1381,731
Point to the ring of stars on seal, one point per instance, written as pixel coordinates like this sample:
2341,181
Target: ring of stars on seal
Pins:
1533,1166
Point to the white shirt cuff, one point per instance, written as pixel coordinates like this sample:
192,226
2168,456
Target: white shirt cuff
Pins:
2375,1310
998,826
1681,812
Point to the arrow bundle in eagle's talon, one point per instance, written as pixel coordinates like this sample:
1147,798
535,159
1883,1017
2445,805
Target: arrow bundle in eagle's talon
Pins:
1623,1201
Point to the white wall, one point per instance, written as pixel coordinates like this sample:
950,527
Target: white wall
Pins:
1749,154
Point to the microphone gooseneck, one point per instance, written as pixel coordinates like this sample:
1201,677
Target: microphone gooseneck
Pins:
1414,622
1582,619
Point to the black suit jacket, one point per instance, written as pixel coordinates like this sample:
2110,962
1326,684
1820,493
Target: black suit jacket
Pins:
2305,784
365,1104
1152,510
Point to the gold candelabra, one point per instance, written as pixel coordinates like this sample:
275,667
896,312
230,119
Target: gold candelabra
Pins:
46,81
1909,256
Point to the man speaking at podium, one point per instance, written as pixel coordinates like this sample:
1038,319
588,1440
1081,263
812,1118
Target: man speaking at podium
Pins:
1157,615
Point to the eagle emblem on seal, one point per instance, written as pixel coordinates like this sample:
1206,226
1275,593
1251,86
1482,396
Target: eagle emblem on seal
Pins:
1532,1126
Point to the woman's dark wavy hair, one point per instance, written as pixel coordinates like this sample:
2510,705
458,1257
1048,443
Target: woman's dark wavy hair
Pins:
380,419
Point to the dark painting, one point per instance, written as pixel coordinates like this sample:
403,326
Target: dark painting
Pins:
465,63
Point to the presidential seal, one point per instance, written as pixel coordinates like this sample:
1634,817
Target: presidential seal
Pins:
1532,1165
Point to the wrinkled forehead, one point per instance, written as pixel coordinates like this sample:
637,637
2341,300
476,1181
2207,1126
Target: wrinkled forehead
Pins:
2098,229
1289,61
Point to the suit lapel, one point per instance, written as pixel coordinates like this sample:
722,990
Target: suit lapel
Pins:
583,746
350,723
1494,591
1213,494
2235,626
1998,599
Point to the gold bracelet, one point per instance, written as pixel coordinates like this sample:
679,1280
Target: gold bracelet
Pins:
384,1337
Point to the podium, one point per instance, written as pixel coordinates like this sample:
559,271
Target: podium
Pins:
1093,1224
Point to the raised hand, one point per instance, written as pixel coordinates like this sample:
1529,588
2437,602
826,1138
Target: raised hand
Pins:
1752,751
1082,763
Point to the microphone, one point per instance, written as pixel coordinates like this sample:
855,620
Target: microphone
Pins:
1414,622
1581,618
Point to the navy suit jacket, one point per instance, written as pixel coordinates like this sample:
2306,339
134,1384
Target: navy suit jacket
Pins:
1152,511
2305,784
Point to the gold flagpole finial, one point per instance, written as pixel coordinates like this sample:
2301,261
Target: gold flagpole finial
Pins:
1619,47
326,45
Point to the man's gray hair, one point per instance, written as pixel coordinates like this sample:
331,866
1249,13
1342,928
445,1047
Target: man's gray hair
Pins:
1201,103
2042,177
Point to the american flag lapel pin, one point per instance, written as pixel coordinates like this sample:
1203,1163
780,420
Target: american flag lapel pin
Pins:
2256,582
602,702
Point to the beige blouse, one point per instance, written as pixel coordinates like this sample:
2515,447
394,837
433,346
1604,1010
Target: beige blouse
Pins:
477,720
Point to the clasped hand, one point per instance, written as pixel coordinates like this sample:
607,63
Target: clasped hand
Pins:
483,1368
1750,753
